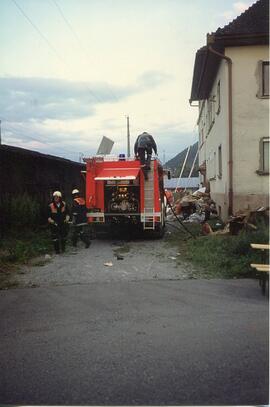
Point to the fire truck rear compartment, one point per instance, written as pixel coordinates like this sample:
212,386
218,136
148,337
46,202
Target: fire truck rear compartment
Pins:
121,199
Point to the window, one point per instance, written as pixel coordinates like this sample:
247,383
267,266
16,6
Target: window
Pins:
202,137
264,156
218,98
220,162
203,117
206,122
211,166
210,117
210,112
265,78
213,103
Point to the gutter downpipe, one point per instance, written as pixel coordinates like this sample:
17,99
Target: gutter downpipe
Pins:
230,162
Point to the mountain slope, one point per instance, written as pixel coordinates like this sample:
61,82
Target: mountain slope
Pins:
175,164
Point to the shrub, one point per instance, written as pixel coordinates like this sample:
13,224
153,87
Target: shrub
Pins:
24,246
20,211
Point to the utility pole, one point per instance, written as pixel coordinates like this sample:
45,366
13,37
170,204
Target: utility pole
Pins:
163,157
128,138
0,133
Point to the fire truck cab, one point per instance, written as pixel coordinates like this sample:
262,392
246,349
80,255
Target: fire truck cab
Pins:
117,191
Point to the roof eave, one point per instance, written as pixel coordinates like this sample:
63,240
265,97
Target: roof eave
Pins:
205,70
219,42
235,40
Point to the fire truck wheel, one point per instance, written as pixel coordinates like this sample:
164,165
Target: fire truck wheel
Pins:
159,231
160,227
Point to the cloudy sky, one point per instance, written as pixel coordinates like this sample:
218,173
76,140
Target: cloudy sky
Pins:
71,70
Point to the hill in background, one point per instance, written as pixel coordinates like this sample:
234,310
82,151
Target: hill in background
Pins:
175,164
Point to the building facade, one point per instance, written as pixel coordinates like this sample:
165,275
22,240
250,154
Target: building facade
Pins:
231,85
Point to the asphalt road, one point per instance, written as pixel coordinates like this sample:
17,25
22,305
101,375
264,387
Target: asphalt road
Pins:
141,342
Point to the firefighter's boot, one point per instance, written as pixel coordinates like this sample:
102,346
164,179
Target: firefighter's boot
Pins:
63,244
74,243
74,238
145,173
56,246
86,239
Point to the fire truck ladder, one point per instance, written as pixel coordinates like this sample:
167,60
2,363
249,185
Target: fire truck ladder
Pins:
149,211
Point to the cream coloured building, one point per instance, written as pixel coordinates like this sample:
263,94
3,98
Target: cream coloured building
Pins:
231,86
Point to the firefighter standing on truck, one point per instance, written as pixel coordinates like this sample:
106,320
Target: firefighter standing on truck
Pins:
58,220
79,220
144,145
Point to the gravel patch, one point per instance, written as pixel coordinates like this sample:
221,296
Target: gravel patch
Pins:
137,260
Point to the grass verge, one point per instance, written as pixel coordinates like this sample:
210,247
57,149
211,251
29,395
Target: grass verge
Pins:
220,256
19,248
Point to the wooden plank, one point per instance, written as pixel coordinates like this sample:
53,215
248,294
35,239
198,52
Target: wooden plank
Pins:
260,246
261,267
263,270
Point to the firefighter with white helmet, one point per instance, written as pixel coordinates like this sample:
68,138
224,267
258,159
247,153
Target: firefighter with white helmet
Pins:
58,218
79,220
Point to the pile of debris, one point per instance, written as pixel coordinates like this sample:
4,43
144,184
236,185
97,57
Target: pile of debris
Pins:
242,220
248,220
193,208
200,208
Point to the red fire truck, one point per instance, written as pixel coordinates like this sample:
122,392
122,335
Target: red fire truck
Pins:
117,191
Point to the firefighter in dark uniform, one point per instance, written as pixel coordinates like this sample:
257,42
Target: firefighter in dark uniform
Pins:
79,220
58,220
143,147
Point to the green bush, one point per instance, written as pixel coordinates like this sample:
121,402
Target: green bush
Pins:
20,211
23,246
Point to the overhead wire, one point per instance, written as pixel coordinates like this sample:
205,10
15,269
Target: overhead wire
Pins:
67,22
25,129
18,132
39,32
81,46
51,46
53,49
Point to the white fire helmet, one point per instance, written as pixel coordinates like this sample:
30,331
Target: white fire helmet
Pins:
75,191
57,193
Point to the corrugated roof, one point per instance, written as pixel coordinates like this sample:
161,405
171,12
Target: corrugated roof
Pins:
193,182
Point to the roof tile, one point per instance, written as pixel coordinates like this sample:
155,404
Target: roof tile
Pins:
255,20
